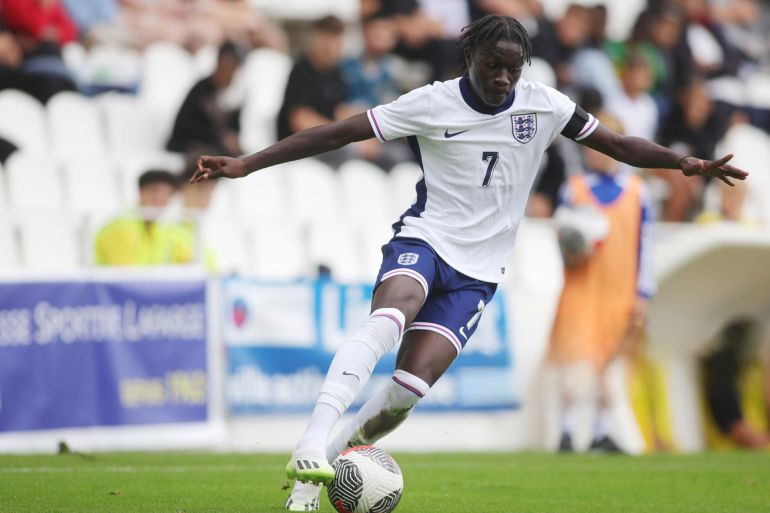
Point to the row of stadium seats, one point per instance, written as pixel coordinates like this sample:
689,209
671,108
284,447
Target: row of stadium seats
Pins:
280,223
122,124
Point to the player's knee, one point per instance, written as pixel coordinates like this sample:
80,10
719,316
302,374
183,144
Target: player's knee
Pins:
405,390
382,330
402,293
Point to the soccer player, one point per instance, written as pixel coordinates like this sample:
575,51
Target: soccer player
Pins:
479,140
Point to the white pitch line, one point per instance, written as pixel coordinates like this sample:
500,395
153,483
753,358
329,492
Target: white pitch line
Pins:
132,469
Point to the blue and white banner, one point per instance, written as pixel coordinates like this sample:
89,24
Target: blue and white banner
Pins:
281,338
76,354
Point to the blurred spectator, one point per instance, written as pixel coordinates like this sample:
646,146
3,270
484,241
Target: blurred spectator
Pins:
31,35
204,122
368,77
693,127
38,22
747,27
726,371
139,238
557,43
306,107
656,35
632,105
196,198
704,43
370,82
422,37
590,65
603,306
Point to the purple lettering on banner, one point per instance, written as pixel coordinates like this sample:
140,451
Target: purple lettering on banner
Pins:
77,354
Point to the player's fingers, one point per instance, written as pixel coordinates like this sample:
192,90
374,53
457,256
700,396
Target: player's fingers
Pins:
721,162
726,180
734,172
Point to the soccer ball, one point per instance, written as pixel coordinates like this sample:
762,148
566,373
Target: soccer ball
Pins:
581,230
366,480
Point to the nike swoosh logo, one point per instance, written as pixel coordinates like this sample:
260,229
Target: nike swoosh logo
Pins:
346,373
449,136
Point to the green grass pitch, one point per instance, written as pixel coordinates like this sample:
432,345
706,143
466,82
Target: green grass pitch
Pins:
434,483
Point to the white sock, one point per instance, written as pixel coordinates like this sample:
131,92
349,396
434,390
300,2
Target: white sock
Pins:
381,414
568,420
602,425
349,371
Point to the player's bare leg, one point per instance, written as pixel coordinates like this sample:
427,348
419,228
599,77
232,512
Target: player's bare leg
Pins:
396,302
423,358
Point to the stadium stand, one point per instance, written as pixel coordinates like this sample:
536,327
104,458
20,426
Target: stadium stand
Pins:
22,121
75,125
33,182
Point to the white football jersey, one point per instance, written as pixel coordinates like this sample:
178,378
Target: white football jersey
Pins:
478,163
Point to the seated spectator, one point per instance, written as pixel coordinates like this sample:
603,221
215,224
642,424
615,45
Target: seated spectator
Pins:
31,35
633,105
368,77
704,42
306,107
557,43
139,238
6,149
421,37
204,123
693,127
369,83
738,409
746,24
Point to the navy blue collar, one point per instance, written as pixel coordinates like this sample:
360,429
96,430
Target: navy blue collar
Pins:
473,103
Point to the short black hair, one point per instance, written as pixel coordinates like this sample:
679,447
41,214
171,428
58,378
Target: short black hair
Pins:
329,25
491,29
230,49
154,176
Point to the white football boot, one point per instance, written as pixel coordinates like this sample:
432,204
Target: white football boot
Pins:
304,497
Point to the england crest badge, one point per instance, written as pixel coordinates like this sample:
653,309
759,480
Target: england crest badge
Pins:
524,127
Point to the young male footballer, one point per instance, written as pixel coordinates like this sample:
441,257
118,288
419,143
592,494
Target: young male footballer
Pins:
479,140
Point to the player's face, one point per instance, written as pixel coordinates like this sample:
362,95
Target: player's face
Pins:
494,71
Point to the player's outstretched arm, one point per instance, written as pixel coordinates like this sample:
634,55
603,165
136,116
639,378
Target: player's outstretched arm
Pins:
642,153
307,143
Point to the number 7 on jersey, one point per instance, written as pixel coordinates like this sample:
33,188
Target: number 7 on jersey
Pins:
491,158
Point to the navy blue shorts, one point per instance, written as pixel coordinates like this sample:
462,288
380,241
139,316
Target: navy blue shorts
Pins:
453,301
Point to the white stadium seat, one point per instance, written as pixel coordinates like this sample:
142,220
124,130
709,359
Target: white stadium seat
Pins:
313,190
205,61
9,255
333,244
91,185
403,178
370,241
265,73
113,64
228,241
75,58
539,71
4,199
365,191
49,241
279,251
76,126
168,73
130,125
33,182
22,121
263,196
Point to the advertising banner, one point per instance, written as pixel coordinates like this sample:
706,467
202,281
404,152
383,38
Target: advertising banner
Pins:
281,338
77,354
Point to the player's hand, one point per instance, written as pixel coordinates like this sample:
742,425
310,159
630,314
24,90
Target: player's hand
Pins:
218,167
692,166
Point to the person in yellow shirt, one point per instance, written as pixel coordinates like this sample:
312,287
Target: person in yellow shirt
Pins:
139,238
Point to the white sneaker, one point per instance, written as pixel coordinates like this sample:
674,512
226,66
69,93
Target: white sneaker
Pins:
304,497
310,467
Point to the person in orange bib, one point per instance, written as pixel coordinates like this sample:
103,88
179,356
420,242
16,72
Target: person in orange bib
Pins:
603,303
